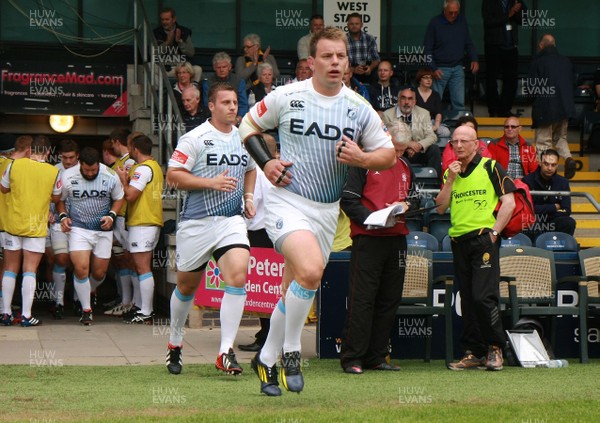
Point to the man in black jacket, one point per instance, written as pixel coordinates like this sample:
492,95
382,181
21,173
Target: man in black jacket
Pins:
501,20
550,81
552,212
174,43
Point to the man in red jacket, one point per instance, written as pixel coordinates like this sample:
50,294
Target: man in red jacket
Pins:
512,151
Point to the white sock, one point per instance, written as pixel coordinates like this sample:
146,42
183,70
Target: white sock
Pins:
126,287
94,283
298,301
180,308
147,292
137,294
274,341
83,289
232,308
8,289
59,277
28,292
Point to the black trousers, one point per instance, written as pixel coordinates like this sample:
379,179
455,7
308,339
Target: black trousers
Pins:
375,290
432,157
477,271
260,238
506,63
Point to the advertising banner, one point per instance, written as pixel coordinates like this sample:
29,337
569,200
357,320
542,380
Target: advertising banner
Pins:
265,271
44,88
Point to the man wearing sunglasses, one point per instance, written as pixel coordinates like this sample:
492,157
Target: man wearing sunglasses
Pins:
512,151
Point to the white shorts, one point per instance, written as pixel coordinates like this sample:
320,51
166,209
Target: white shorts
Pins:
198,239
100,242
16,243
143,238
2,240
121,236
287,212
59,240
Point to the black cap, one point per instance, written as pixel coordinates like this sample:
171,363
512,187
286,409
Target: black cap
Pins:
7,142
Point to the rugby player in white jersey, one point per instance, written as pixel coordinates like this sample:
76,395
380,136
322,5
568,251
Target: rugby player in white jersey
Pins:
95,195
211,164
324,127
57,254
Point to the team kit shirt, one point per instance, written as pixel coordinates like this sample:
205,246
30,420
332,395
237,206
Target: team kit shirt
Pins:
90,200
206,153
147,209
310,124
31,185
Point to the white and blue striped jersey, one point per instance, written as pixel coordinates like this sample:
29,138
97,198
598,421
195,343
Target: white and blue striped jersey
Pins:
206,152
310,124
90,200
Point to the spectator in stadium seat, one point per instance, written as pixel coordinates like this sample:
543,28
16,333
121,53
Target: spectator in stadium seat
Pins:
362,49
316,25
178,37
185,75
303,71
449,155
384,94
265,84
194,115
512,151
422,148
553,212
246,66
354,84
430,100
222,66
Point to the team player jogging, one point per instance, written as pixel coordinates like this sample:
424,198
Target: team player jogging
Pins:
211,164
321,125
94,195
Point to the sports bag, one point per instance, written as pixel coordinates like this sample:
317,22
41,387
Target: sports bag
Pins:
523,216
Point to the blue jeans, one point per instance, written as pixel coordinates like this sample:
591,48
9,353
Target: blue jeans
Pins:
454,77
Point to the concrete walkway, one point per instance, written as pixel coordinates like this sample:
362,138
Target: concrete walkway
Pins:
109,341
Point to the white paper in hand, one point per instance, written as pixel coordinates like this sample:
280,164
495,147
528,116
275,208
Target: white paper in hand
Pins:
384,218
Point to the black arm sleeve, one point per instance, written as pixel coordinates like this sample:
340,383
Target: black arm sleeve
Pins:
258,149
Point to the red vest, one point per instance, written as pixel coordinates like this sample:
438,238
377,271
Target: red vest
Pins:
384,187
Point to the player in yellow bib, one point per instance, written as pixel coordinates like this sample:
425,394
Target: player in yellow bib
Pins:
31,184
143,187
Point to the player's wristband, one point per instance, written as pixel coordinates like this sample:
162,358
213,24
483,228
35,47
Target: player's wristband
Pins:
258,149
62,217
112,215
